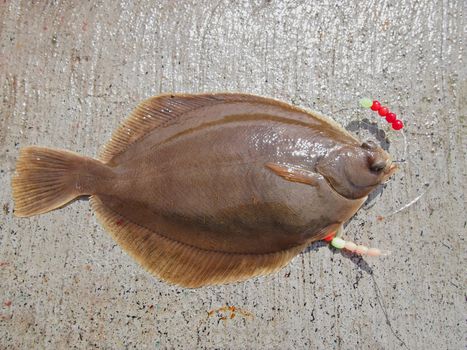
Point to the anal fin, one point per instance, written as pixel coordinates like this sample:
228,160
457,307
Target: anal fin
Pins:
183,264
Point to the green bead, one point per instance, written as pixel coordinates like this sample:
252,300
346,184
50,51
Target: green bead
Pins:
365,102
338,243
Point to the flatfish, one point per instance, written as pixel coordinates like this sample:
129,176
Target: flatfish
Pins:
208,189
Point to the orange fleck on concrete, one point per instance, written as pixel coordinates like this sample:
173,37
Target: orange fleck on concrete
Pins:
229,312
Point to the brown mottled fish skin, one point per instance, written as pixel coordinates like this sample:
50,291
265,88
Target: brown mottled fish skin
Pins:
233,178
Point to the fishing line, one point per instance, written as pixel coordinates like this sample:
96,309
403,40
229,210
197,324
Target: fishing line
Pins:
334,238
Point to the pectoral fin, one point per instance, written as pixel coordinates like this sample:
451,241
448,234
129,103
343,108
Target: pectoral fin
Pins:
294,173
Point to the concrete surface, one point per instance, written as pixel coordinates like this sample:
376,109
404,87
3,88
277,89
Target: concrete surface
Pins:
70,71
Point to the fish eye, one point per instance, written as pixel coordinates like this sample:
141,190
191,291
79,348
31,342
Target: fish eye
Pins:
378,166
369,145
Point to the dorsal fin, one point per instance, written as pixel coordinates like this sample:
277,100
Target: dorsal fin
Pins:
156,112
159,111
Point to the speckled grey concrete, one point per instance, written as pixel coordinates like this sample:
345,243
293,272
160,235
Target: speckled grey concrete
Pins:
70,72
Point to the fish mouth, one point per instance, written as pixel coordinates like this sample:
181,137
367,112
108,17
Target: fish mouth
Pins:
389,170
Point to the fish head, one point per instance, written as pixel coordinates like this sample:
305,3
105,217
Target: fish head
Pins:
354,171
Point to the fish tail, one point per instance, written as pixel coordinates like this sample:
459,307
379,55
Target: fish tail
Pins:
46,179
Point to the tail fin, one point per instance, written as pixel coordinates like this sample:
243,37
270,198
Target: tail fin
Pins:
47,179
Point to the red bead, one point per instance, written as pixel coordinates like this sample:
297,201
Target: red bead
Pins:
397,125
375,106
391,117
383,111
329,237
